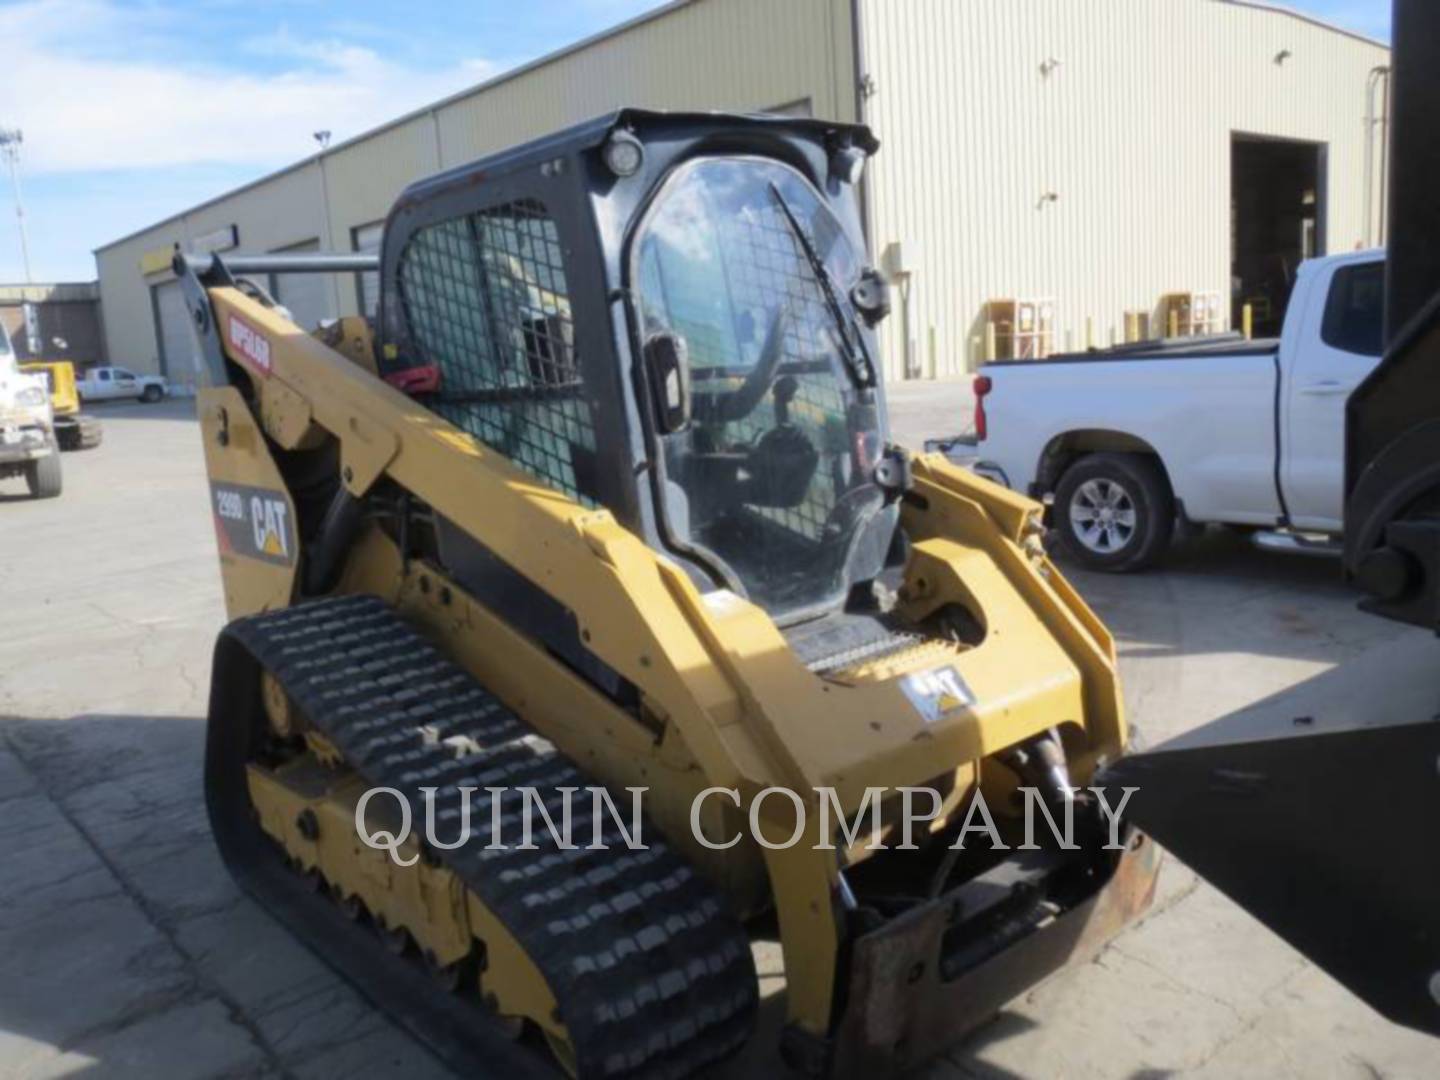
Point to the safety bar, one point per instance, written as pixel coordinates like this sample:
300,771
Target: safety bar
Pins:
203,265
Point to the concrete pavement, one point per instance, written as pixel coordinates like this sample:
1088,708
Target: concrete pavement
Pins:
126,951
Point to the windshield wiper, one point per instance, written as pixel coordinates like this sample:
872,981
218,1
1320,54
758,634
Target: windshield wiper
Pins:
857,360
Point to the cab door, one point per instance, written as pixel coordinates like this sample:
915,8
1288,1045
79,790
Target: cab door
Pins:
1322,370
125,384
101,386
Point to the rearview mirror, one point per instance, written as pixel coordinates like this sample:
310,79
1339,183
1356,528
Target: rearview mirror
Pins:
667,369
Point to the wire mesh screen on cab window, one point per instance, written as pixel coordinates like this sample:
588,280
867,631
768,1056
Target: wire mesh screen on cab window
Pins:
486,300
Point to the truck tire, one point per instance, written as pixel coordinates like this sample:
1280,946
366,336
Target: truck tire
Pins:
151,394
42,476
1114,512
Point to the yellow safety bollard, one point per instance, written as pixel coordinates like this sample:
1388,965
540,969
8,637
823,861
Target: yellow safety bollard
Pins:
989,342
1247,321
1089,331
1174,323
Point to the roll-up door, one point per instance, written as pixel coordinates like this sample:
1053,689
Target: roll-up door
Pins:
308,296
367,241
178,349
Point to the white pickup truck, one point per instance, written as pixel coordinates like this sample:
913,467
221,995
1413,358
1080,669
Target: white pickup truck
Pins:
1130,440
109,383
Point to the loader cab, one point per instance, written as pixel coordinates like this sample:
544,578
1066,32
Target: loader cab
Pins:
671,316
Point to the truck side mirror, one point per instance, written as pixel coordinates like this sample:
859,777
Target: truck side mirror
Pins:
667,369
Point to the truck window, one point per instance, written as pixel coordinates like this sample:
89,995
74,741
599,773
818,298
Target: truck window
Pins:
486,299
1354,311
103,376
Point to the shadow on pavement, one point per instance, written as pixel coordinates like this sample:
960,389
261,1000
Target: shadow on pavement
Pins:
171,408
126,949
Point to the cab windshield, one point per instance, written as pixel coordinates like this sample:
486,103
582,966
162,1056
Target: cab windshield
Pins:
743,261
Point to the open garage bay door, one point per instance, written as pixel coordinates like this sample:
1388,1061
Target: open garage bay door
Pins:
172,330
1277,222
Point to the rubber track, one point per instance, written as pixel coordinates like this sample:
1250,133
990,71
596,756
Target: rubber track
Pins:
652,976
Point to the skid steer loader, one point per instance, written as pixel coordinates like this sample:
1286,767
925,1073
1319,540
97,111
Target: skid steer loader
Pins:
606,501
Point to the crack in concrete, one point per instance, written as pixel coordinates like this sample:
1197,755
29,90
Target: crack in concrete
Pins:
1180,984
1370,1068
309,1008
1229,1040
196,694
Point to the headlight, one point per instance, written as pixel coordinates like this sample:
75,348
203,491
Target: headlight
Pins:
31,397
623,154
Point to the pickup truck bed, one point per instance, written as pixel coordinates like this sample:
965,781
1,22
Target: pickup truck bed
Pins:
1183,348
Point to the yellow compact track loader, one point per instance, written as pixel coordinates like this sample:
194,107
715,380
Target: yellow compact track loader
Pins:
605,504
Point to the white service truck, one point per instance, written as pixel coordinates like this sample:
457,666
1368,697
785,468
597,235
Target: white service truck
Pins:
107,383
27,427
1127,441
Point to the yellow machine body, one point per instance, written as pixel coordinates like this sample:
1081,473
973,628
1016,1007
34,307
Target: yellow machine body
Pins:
60,375
724,701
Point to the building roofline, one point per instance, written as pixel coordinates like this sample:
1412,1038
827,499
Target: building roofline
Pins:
435,106
1314,20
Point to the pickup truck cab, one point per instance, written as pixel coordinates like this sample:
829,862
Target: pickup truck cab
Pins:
1218,429
109,383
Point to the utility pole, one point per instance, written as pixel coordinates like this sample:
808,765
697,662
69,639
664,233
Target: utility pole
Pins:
10,140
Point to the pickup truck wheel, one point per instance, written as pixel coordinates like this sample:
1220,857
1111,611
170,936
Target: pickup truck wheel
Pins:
151,394
1115,512
42,476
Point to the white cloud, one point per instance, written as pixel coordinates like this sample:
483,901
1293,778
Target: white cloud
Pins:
87,103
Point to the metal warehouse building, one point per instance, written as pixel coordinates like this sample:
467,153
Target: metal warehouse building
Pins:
1052,172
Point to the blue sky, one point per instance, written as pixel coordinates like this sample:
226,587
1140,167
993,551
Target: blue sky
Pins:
134,109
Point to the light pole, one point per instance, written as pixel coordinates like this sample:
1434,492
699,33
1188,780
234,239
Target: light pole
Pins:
327,238
10,140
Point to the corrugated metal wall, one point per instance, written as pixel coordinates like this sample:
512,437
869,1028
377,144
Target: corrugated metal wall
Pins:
1130,132
713,54
706,54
